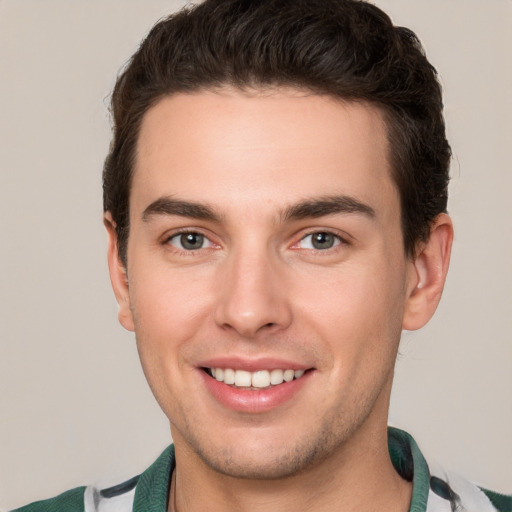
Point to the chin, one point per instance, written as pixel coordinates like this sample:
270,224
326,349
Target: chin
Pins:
269,459
261,466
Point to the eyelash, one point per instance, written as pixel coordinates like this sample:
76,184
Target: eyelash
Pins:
180,233
338,241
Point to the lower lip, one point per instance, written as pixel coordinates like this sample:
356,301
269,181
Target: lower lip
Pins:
254,400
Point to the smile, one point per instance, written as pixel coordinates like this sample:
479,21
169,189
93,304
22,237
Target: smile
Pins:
254,380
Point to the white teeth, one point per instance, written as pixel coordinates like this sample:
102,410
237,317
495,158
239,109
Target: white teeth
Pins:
229,376
288,375
242,378
258,379
276,377
261,379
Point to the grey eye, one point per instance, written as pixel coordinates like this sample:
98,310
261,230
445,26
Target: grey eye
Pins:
320,240
189,241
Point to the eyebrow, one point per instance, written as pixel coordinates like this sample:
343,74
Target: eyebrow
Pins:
169,206
309,208
327,205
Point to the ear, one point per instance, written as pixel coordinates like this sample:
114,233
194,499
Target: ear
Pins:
426,282
118,275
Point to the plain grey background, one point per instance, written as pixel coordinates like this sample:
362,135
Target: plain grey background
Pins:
74,405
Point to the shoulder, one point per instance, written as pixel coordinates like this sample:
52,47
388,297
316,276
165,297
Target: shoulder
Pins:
437,490
88,499
461,494
147,491
502,502
71,501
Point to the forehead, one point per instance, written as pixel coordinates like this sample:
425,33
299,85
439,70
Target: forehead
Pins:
263,148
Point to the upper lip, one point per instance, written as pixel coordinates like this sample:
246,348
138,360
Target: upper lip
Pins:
252,365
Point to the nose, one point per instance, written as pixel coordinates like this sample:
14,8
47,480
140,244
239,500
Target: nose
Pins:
252,296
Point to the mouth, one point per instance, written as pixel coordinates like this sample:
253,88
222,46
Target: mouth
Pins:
254,387
257,380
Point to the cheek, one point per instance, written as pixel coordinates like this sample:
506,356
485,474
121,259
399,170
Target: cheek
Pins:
354,306
168,306
168,312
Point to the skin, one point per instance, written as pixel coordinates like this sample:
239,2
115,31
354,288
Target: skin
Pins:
258,288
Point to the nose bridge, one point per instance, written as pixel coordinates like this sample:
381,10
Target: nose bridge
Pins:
251,297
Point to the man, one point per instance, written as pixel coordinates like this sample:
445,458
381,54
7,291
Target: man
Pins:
275,200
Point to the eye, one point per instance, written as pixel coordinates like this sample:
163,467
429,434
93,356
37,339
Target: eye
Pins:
320,240
189,241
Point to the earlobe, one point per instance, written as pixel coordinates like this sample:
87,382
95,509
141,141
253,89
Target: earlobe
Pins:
430,267
118,275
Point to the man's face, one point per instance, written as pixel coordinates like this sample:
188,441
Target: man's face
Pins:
265,238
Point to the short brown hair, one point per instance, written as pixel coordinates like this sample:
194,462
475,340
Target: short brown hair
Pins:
348,49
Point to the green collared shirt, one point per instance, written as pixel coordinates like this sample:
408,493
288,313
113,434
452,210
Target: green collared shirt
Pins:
149,491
